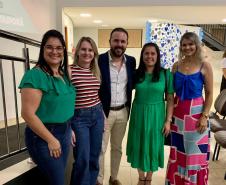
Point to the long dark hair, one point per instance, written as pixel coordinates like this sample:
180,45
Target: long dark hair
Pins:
140,73
41,60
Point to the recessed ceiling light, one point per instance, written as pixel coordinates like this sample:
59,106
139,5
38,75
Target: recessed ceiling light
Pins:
104,25
152,20
97,21
224,20
85,15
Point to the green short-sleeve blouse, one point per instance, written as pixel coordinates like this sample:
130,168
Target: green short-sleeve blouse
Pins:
57,103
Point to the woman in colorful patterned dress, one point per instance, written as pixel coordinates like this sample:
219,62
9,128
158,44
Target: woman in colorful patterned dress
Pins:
150,120
189,153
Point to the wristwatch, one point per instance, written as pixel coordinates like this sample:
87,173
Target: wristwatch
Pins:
206,115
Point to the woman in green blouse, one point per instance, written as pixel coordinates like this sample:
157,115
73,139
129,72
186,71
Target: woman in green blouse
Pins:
47,106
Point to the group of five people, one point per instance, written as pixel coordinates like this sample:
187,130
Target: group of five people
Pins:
88,103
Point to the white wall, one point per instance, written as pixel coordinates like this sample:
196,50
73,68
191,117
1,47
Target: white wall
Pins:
42,14
67,22
214,58
93,33
28,18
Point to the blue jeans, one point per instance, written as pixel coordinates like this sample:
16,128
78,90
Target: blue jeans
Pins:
88,125
52,168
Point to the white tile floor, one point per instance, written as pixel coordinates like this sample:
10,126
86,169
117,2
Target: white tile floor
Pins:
128,175
15,170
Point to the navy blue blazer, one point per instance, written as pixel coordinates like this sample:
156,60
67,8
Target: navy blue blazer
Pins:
105,87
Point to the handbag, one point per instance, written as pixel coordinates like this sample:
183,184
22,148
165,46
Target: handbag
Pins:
167,141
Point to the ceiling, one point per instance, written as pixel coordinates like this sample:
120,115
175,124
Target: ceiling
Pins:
131,15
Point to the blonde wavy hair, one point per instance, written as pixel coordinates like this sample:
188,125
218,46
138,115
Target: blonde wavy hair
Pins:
94,63
199,55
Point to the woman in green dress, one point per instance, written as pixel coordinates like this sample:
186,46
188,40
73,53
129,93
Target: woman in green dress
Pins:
150,118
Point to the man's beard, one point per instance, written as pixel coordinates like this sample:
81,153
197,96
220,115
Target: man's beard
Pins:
117,54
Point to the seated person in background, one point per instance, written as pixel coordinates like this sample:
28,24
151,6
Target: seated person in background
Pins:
223,66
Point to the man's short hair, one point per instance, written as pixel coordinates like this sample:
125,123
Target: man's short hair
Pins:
119,29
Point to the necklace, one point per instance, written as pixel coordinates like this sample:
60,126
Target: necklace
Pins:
185,66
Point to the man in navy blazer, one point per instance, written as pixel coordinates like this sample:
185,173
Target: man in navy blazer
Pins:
117,73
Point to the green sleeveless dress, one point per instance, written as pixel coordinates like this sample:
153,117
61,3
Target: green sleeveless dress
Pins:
145,144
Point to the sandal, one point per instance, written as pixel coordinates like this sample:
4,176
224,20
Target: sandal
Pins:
141,181
148,181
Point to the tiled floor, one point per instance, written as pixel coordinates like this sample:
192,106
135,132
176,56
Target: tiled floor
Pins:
128,175
15,170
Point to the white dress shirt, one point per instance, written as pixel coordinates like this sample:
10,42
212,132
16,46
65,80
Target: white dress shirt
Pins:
118,83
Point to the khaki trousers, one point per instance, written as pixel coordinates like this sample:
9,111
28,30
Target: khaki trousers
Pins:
115,130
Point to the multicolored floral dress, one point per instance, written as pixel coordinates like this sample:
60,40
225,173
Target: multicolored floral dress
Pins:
189,153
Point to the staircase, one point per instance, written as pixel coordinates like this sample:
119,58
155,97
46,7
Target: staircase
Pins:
214,36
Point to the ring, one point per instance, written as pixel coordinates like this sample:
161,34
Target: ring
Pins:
54,150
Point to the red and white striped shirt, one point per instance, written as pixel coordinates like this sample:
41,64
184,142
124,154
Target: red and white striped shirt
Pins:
87,87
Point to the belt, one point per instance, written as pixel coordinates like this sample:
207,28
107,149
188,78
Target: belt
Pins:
117,107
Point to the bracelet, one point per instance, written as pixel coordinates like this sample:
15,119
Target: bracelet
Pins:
169,120
206,115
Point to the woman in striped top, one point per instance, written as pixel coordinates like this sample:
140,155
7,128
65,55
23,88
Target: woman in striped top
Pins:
88,120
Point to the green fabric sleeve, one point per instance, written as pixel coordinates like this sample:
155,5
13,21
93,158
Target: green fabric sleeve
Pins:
35,78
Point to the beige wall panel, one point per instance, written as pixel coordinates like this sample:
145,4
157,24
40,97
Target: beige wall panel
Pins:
135,38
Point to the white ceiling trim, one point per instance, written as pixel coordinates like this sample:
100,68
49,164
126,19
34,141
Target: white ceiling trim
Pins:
136,17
